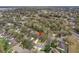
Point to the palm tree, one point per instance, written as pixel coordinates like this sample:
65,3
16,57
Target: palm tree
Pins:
5,47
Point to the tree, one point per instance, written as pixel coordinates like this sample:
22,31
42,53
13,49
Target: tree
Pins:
77,24
5,47
47,48
27,44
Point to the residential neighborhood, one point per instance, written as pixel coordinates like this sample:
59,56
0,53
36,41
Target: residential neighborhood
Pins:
39,29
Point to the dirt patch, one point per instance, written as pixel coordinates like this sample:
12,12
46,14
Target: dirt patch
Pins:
73,44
